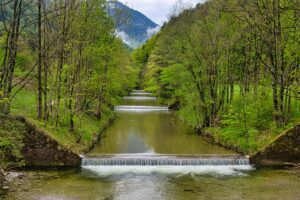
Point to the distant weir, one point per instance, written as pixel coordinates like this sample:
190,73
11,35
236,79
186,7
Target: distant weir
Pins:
140,93
140,98
141,108
131,160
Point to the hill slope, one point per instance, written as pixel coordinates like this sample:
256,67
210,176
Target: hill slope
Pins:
133,27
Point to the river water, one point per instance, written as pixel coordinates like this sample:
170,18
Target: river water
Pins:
141,130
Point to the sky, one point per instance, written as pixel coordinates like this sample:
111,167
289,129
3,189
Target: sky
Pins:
156,10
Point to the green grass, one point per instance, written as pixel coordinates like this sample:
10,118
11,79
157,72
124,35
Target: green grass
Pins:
259,128
87,128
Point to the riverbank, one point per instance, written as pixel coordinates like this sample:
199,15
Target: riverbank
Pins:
27,144
87,127
267,144
26,141
20,136
245,125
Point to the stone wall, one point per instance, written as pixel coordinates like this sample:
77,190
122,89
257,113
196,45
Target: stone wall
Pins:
39,149
42,150
283,150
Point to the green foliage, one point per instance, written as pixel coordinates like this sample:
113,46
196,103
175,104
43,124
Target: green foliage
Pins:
141,55
87,127
83,73
220,70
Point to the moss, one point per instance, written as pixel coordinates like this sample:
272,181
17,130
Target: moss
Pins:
11,142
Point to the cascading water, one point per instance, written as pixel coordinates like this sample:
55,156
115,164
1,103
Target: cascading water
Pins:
107,165
163,160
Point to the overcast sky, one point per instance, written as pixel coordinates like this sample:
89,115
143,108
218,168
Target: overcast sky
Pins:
156,10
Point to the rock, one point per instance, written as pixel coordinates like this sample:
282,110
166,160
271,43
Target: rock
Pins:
282,151
5,188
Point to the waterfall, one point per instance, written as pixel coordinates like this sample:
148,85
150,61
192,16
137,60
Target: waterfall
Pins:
136,160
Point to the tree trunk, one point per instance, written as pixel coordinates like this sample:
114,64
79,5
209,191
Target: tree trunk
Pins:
60,65
39,75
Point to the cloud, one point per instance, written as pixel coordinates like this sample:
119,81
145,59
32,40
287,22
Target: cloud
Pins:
127,39
152,31
124,37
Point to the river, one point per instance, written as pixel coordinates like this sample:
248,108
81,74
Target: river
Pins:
145,131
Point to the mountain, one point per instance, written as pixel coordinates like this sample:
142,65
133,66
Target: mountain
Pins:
133,27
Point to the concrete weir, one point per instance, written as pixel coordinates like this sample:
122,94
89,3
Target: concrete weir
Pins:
105,165
164,160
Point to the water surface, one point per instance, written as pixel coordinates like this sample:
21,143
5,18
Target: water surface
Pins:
152,131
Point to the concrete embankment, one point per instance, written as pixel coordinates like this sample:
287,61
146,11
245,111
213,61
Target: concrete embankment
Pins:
38,149
284,150
42,150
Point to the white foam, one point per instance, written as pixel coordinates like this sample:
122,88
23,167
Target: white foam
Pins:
229,170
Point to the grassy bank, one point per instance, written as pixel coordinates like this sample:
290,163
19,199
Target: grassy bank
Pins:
87,127
247,123
87,130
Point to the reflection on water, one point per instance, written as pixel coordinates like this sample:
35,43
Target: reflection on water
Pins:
155,131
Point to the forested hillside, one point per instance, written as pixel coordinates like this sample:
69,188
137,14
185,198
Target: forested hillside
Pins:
62,67
132,26
231,68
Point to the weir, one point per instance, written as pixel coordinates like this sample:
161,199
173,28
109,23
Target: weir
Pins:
139,98
141,108
165,160
140,93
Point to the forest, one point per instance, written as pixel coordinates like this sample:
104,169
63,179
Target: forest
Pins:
62,67
230,68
